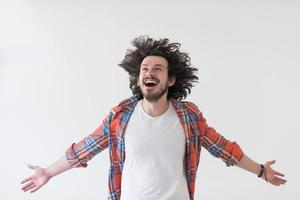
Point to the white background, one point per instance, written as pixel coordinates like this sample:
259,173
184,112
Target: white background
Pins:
59,78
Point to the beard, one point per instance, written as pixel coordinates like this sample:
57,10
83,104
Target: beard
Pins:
153,96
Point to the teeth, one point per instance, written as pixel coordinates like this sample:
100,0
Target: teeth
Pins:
151,81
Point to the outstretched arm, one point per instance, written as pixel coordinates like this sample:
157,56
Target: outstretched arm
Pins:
76,155
43,175
231,153
269,174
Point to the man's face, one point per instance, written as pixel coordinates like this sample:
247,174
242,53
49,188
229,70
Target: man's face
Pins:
153,78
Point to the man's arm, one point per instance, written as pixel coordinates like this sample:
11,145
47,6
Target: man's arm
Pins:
43,175
77,155
231,153
269,174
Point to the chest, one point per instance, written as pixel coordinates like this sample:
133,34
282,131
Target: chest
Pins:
161,137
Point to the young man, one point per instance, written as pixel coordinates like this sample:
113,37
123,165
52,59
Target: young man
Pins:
159,134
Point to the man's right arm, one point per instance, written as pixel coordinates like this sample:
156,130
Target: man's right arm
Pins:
77,155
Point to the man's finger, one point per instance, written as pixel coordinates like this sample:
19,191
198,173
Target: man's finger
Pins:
278,173
26,180
280,180
29,187
31,166
35,189
271,162
25,188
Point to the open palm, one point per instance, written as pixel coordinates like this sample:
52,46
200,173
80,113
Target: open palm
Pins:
273,176
37,180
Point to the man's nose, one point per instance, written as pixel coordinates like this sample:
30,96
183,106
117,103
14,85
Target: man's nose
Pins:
149,75
150,72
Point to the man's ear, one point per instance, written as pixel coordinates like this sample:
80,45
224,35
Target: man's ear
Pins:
172,81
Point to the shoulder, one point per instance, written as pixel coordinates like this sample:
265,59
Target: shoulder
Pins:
126,104
188,106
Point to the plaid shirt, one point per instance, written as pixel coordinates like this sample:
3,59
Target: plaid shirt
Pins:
111,134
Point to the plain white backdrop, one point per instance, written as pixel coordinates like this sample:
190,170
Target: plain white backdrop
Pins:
59,77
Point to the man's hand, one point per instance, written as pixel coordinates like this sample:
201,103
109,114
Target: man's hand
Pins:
42,175
273,176
269,175
37,180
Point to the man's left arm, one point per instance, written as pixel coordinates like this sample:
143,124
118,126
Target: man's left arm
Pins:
266,172
231,153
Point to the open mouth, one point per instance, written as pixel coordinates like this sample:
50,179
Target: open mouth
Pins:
150,82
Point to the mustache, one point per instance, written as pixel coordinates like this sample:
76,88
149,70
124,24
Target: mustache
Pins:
151,78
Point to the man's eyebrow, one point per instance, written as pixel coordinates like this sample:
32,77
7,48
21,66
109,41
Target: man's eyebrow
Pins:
159,65
156,65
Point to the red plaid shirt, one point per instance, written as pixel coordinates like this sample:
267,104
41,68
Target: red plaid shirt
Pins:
110,134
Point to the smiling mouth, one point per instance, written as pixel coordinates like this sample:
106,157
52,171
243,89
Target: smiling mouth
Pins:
150,82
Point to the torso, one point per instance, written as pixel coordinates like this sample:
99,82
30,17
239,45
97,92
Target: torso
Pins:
154,164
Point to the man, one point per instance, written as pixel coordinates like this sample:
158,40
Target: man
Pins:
159,134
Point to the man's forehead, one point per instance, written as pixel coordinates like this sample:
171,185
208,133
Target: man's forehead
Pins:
154,60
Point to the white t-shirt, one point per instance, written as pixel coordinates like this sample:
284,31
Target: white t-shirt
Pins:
154,163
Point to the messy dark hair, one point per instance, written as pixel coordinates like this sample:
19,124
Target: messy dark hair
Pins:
179,65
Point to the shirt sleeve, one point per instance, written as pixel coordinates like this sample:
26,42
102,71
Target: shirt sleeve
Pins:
78,154
218,146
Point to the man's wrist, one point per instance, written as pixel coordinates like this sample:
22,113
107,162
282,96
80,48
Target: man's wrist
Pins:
49,173
262,171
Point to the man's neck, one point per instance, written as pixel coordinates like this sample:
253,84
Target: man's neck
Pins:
156,108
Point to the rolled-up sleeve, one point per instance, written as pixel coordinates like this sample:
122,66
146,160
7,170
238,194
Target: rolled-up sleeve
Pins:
218,146
78,154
